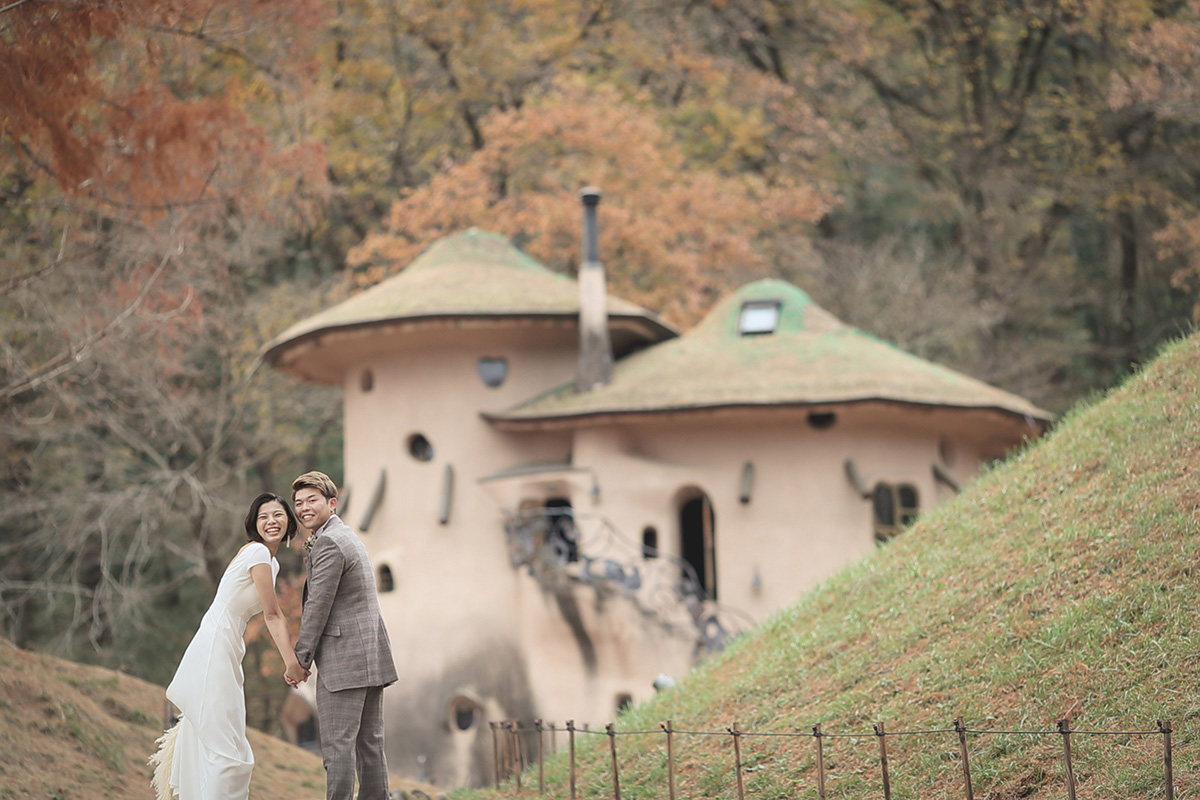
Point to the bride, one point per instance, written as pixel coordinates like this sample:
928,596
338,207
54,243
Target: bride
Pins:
206,756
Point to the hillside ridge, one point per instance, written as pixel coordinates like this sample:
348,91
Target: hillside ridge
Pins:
78,732
1061,584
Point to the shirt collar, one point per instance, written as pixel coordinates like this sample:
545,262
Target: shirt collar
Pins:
321,529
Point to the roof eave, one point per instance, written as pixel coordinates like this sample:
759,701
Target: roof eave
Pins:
504,422
275,351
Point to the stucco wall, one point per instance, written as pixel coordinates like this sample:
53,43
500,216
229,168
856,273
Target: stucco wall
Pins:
804,518
522,641
452,614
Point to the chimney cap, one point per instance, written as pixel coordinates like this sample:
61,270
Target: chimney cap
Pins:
590,196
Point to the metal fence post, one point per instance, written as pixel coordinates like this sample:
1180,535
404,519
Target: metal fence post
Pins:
1064,727
671,760
515,761
506,737
883,762
612,746
537,726
962,749
571,741
495,754
519,749
1165,727
820,762
737,759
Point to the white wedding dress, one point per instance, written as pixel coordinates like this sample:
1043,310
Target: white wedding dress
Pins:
206,755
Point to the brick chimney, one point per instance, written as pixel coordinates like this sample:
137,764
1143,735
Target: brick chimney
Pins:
595,351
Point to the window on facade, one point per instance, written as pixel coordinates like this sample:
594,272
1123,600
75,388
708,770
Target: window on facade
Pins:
562,533
821,420
758,317
463,713
366,381
384,582
650,542
420,448
492,371
698,543
896,507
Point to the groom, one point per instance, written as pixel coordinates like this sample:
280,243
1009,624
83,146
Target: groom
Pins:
342,630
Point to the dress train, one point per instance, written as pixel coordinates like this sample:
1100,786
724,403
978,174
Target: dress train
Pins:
163,760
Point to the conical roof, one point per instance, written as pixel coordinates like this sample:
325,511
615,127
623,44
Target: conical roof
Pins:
811,358
469,274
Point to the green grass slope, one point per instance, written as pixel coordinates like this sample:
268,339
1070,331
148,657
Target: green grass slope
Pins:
1062,584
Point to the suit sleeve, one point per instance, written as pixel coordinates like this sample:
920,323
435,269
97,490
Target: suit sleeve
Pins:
326,564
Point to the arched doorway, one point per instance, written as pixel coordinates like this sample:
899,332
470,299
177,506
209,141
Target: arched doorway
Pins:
564,535
698,538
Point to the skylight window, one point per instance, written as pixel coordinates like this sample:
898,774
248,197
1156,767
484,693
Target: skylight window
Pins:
758,317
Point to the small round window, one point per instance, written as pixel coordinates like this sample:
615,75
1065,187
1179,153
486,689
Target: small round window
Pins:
492,371
420,448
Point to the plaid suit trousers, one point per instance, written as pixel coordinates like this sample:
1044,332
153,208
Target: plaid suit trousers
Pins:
351,723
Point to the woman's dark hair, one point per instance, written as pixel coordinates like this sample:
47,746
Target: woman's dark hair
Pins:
252,518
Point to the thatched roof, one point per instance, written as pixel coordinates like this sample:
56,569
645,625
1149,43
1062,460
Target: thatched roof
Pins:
812,359
473,274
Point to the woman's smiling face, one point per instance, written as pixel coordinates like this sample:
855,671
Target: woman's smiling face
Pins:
272,522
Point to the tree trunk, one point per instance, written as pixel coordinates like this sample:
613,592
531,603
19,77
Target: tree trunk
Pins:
1127,336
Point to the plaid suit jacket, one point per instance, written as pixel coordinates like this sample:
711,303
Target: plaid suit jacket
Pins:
341,628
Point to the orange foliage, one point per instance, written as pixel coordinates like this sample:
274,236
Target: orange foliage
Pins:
138,172
47,80
89,95
673,237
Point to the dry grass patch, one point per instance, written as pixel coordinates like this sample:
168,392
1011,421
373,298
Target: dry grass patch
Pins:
75,732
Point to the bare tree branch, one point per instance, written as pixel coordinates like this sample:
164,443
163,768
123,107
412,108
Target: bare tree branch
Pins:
73,356
12,6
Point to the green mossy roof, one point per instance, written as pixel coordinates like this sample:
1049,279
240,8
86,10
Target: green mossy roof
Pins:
469,274
811,358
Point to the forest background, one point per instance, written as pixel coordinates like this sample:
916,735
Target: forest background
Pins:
1006,187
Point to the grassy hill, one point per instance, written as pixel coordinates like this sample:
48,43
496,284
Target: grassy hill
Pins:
1062,584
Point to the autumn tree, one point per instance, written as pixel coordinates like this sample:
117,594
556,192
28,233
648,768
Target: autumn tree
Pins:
1006,187
153,160
986,131
1157,96
406,87
675,235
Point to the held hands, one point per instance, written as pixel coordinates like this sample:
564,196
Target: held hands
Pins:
296,675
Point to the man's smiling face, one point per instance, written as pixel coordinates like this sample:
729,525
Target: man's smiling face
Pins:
313,508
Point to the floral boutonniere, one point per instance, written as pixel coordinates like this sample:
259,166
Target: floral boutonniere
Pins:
308,545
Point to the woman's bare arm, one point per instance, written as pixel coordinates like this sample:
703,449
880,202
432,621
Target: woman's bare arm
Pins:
277,623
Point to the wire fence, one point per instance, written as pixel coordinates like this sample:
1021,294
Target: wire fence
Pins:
520,746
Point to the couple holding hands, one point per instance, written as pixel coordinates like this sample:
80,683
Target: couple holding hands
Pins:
206,755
